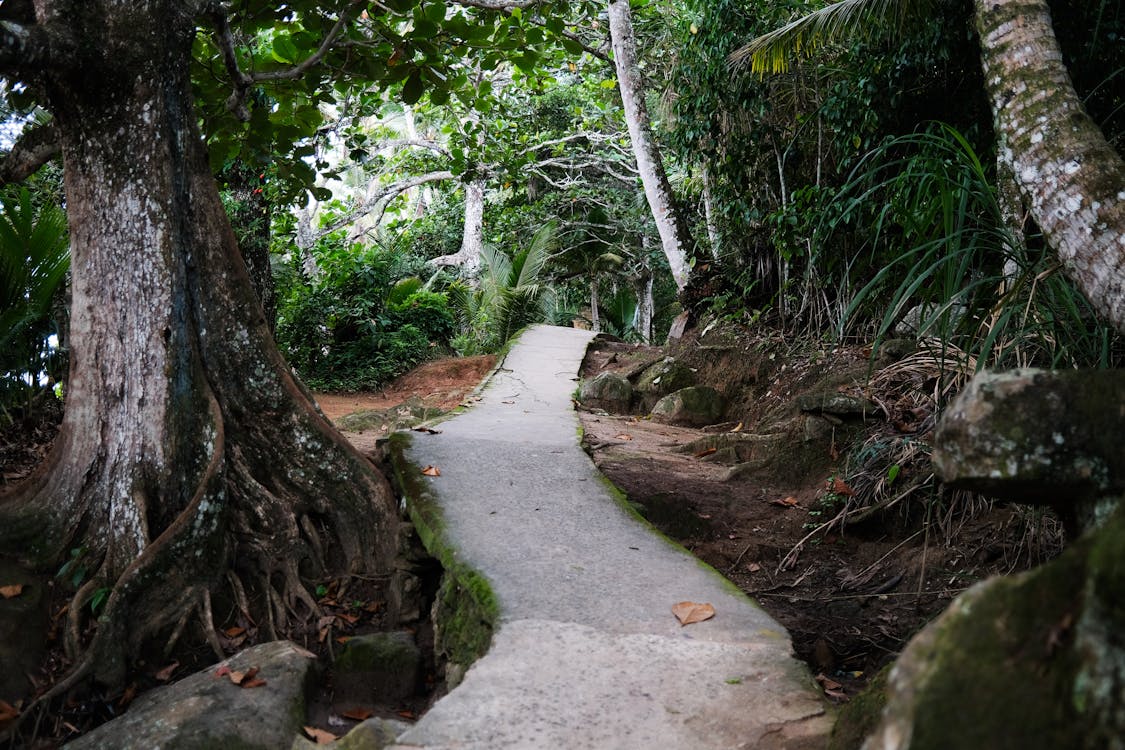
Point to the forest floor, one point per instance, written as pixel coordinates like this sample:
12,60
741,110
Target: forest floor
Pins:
851,593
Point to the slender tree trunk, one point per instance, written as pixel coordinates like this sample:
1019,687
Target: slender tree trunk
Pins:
468,258
709,214
669,222
1072,179
595,302
188,458
645,306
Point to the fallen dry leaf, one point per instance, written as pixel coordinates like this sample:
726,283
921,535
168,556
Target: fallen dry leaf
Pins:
706,452
431,471
828,683
408,714
689,612
787,502
343,639
322,737
236,676
840,487
737,427
222,671
507,402
256,682
623,436
754,567
234,632
166,674
839,695
350,619
11,591
357,714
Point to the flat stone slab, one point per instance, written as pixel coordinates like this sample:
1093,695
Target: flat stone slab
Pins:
587,652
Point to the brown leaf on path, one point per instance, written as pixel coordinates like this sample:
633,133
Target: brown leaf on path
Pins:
234,632
11,591
828,683
343,639
689,612
222,671
322,737
236,676
840,487
431,471
839,695
357,714
349,619
787,502
127,696
623,436
407,714
754,567
256,682
251,673
706,452
373,607
165,674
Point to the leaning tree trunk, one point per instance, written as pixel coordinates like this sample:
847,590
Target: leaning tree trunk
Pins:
1073,180
669,222
189,458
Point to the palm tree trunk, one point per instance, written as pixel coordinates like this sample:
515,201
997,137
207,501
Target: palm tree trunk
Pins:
1072,179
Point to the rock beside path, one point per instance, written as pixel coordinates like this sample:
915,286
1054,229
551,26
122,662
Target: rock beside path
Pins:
208,710
697,406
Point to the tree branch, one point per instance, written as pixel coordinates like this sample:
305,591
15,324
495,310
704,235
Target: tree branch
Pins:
243,81
390,191
34,148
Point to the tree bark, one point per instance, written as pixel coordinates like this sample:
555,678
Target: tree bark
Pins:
709,215
1072,179
669,221
472,237
189,458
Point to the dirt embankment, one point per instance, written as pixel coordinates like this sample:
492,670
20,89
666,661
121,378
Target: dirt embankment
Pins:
815,496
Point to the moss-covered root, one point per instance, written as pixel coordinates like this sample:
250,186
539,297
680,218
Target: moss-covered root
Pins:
1035,661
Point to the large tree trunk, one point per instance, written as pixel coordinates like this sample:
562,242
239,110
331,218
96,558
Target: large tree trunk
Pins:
669,222
468,258
1072,178
189,457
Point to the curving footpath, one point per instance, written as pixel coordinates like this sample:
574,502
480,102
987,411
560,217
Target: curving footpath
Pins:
587,653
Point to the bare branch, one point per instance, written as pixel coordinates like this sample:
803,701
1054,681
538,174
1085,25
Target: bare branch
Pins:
34,148
243,81
415,143
371,203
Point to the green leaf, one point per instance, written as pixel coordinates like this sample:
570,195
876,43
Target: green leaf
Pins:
435,11
413,88
283,50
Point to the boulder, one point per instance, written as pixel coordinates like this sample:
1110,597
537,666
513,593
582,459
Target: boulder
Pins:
377,667
694,407
665,377
1033,661
1037,660
1039,437
207,710
609,391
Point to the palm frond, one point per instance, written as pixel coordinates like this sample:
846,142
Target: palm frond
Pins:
847,19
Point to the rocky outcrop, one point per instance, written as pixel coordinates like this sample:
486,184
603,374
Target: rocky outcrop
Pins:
378,668
663,378
1033,661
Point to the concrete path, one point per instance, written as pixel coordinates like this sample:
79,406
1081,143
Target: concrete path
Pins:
587,653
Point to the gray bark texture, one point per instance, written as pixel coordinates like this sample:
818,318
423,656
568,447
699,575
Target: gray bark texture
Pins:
1072,179
669,223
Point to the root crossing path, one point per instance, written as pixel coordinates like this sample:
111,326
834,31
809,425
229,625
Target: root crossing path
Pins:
587,652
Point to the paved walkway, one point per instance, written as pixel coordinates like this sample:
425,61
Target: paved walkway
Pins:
587,653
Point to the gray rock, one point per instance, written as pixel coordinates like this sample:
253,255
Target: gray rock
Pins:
696,406
23,630
664,377
609,391
838,405
1038,437
381,667
205,711
1033,661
